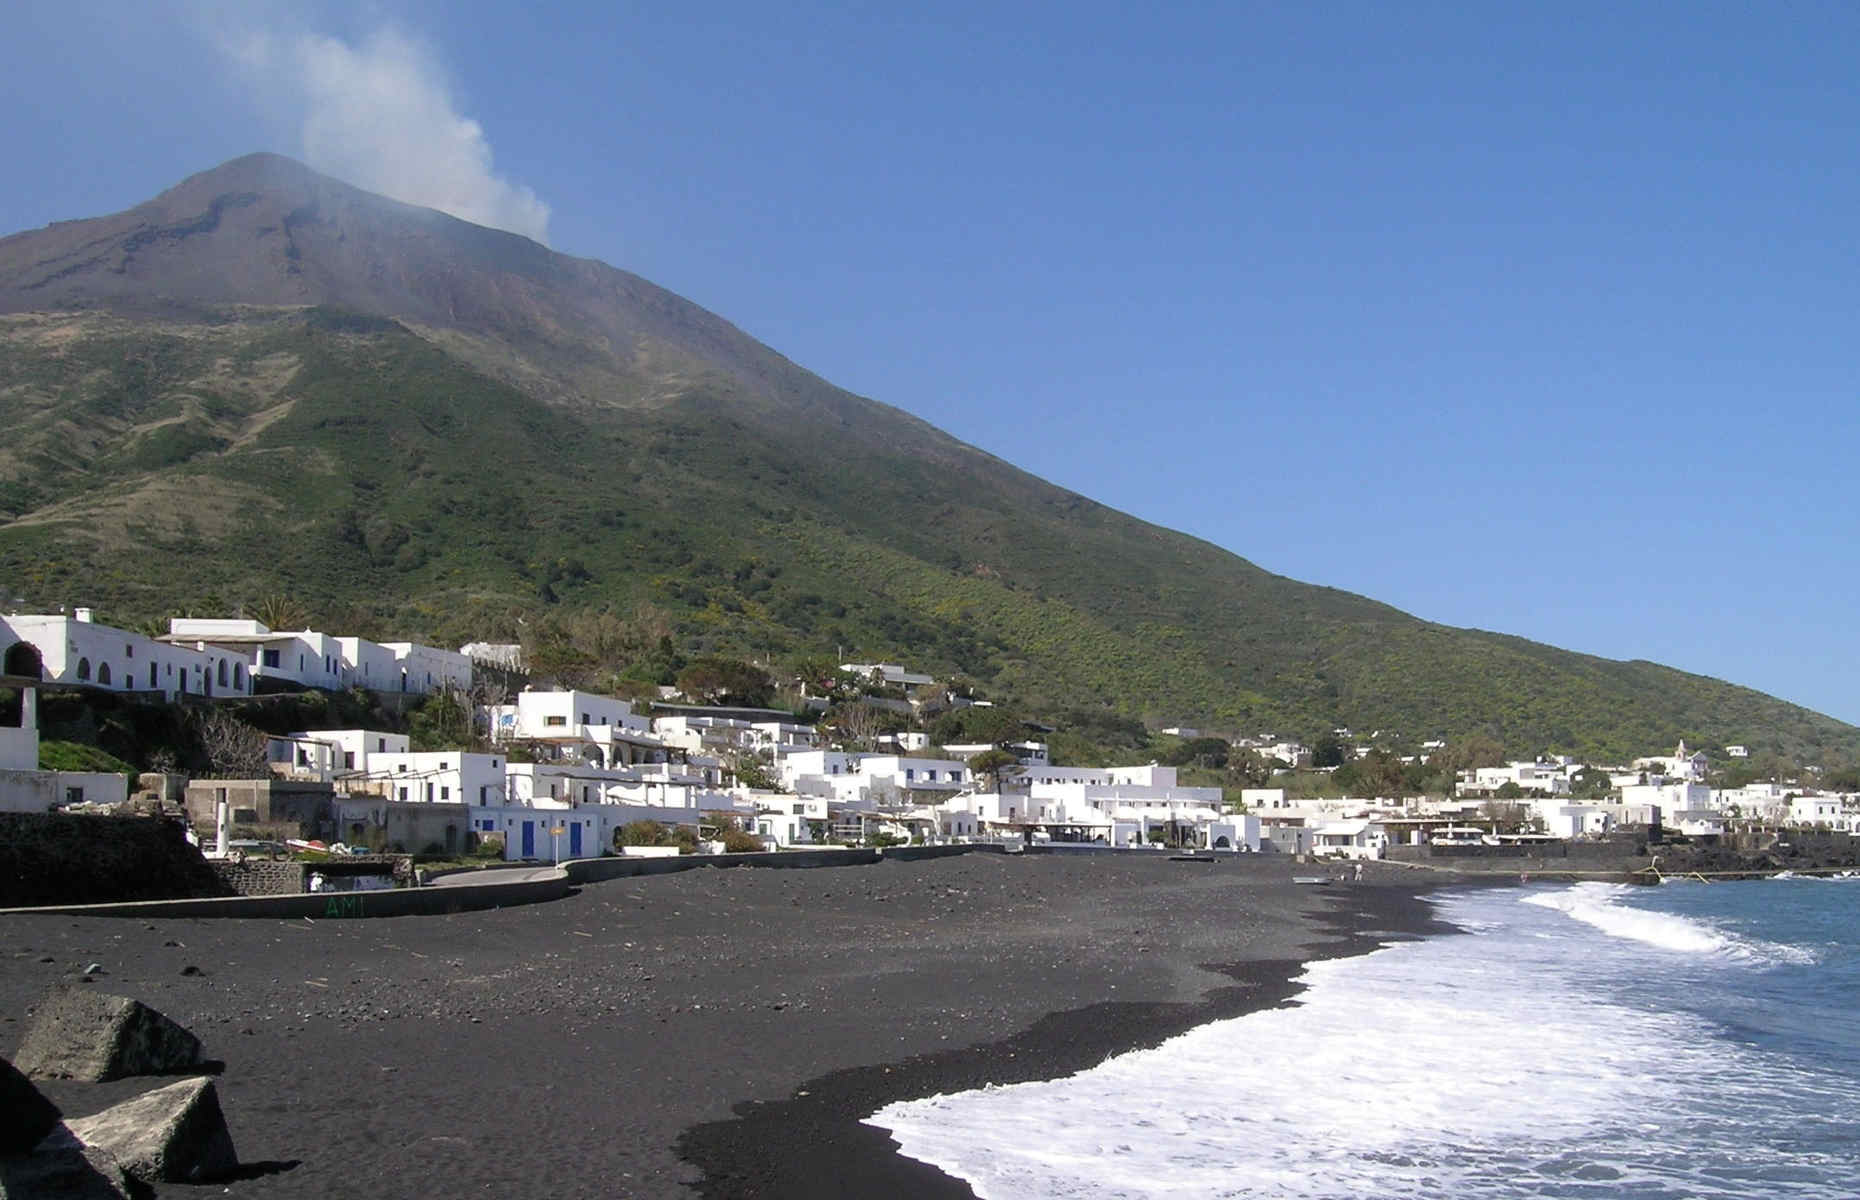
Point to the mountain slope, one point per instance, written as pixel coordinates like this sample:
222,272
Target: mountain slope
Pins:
264,380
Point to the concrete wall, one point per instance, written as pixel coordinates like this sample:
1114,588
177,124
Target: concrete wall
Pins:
399,902
28,791
304,803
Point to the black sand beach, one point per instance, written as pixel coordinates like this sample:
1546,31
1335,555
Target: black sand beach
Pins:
715,1032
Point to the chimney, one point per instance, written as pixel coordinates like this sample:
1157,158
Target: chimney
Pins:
81,614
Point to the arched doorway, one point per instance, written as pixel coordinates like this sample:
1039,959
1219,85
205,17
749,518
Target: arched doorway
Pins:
22,658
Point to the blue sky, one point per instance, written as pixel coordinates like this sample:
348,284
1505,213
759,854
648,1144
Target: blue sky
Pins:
1537,321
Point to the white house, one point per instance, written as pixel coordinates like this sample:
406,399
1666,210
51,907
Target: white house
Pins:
1348,839
367,664
888,673
436,777
329,754
427,669
601,730
25,788
79,651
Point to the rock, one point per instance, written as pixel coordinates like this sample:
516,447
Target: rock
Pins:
174,1134
94,1036
61,1169
29,1115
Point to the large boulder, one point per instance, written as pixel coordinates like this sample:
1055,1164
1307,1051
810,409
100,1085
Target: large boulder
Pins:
92,1036
174,1134
62,1169
26,1115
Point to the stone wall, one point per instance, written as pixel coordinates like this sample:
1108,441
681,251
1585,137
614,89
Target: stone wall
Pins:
262,877
61,858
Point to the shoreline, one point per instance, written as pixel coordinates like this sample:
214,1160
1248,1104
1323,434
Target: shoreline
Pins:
650,1036
849,1157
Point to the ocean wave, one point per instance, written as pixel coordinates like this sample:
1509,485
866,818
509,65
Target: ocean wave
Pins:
1598,904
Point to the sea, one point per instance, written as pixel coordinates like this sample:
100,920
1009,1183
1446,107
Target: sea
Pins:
1586,1040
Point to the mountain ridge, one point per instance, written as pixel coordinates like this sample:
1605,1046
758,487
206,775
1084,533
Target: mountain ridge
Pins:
269,357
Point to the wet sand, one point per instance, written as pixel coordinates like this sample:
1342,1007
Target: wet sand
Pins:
716,1032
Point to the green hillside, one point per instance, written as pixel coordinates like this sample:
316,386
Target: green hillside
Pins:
264,383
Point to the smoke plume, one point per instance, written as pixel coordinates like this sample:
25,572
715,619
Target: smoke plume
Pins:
380,114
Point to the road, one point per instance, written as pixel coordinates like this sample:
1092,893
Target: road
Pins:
495,875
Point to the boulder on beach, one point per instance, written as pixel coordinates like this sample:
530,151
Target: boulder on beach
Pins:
93,1036
62,1169
174,1134
29,1116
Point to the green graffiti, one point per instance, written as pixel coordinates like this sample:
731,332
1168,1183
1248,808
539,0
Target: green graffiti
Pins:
343,906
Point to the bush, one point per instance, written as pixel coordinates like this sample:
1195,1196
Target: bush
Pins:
735,841
490,845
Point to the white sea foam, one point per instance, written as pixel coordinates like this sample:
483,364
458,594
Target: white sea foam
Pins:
1599,904
1490,1065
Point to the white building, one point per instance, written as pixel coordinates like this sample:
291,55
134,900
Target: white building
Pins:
325,755
367,664
887,673
1357,839
427,669
599,730
26,789
304,658
78,651
435,777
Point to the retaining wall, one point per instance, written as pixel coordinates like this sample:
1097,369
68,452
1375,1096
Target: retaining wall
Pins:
395,902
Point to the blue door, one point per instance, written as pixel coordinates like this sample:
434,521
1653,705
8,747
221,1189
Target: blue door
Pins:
529,839
574,840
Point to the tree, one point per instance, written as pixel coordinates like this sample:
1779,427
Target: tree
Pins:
858,724
1328,751
1380,773
1591,784
977,725
752,772
1247,769
278,611
727,681
1198,752
994,766
443,722
233,749
1508,817
1509,790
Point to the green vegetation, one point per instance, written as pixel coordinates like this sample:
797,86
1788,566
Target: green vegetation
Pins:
394,484
76,756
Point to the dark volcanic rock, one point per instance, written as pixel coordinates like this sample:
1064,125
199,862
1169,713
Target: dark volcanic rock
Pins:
26,1116
93,1036
63,1170
175,1134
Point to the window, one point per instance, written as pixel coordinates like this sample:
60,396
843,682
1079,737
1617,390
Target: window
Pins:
154,679
584,718
271,658
103,672
429,793
129,650
445,793
555,721
303,757
348,760
222,672
239,675
403,793
83,668
74,795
